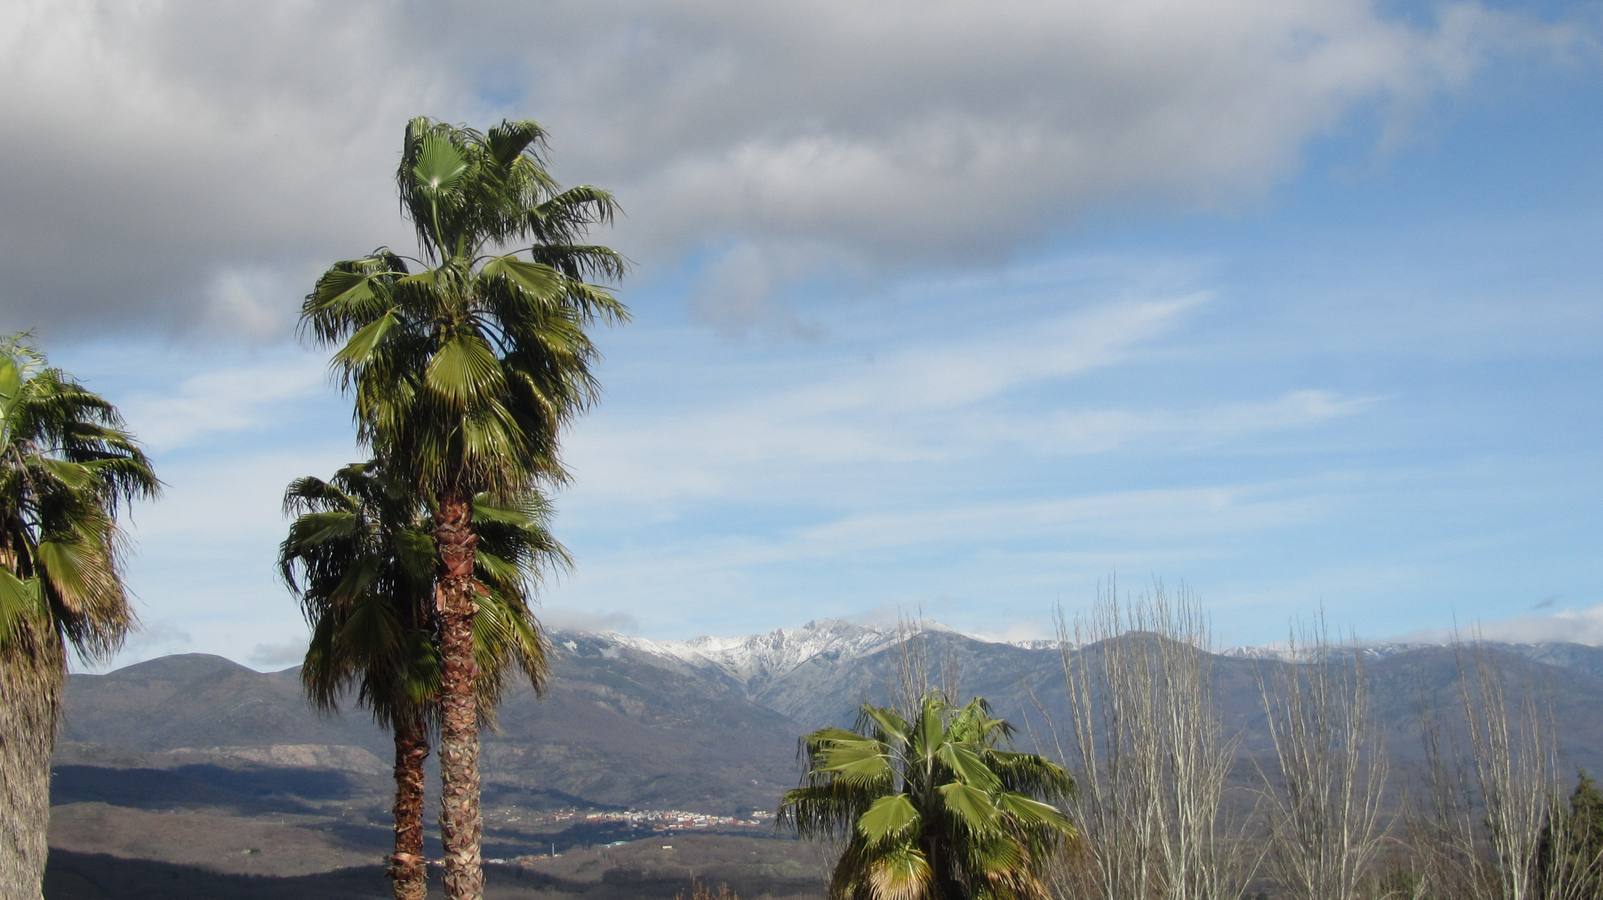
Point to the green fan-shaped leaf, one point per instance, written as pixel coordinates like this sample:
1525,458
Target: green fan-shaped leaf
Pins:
77,572
900,874
358,578
358,350
414,550
487,510
313,529
439,165
858,761
1029,773
931,730
823,737
495,569
895,727
10,379
1034,812
463,369
889,818
971,806
73,476
968,766
531,278
341,289
19,600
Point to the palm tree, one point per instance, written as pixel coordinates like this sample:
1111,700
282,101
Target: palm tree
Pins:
360,557
362,567
66,466
931,806
465,371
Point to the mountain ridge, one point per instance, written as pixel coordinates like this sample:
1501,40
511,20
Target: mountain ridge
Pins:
757,659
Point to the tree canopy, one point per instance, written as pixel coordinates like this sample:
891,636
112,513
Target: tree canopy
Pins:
931,805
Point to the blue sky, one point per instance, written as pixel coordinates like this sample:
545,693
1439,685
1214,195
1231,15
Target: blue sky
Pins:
1296,303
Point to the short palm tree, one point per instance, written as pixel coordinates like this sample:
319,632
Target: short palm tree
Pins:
931,806
360,557
66,467
464,372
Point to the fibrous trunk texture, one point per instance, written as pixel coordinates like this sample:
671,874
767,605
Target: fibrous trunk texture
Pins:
32,671
461,823
408,867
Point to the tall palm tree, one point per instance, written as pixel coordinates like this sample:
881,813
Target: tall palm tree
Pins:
465,371
931,806
66,467
360,557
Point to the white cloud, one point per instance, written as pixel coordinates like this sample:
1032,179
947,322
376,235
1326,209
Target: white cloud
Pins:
559,618
912,412
978,548
1185,512
231,501
183,170
275,655
1573,625
224,400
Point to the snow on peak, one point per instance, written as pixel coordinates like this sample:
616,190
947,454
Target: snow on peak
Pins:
763,657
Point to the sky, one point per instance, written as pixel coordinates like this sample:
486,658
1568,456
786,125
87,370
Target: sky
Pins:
955,309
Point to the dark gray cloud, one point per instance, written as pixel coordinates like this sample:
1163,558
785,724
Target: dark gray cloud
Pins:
189,166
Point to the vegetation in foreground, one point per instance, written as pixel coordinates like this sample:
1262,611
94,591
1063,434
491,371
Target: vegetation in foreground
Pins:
67,465
464,371
1488,818
360,556
930,804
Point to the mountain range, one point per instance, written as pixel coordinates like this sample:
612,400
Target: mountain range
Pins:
708,725
711,721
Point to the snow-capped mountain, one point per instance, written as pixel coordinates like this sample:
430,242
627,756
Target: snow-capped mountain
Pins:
780,669
757,659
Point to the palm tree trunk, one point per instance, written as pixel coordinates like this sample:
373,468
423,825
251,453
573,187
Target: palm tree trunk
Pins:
461,821
408,868
32,671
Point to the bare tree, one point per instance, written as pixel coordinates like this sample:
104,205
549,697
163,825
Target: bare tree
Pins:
1496,825
1149,755
1514,745
1324,807
918,671
1442,834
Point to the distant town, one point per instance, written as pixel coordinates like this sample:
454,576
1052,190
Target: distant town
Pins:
654,819
632,824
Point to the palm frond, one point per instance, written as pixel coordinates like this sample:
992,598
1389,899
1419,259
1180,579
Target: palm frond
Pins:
67,465
932,779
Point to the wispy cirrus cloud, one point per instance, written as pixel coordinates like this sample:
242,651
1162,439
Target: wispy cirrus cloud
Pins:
226,399
918,411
